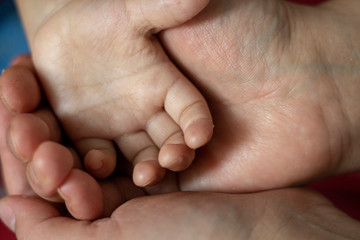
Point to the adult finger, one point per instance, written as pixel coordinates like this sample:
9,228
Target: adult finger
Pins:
45,221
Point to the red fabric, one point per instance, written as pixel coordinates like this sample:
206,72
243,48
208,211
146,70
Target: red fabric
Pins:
5,234
343,191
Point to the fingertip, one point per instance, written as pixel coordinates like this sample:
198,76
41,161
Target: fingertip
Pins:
49,118
185,104
148,173
50,166
199,133
25,134
94,161
176,157
100,163
20,91
99,156
82,195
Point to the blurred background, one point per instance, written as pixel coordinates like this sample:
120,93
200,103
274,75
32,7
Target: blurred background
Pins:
12,38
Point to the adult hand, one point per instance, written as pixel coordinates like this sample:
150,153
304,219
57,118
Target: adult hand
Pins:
277,214
283,91
13,81
282,82
284,110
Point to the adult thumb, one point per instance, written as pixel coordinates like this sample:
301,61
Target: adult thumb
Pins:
25,215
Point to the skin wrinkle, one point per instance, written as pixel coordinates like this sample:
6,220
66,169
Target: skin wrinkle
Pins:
145,30
207,43
135,157
336,157
330,70
170,12
203,44
312,225
109,87
183,113
172,135
288,215
263,216
322,114
264,37
150,121
279,30
223,55
265,41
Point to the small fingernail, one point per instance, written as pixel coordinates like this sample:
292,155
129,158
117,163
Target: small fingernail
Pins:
96,165
95,160
62,195
7,216
62,192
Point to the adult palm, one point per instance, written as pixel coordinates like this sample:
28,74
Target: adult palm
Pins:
282,83
277,214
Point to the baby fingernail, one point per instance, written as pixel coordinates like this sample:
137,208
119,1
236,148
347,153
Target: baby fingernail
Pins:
96,165
62,191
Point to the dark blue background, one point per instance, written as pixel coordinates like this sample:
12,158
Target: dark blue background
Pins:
12,38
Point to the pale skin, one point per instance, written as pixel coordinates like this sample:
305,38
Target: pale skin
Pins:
283,84
288,121
111,84
277,214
